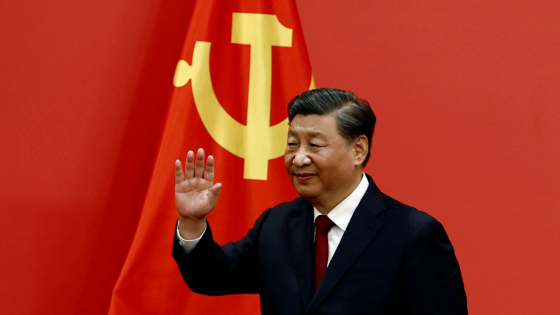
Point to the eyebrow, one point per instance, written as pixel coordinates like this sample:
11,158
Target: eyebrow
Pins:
314,134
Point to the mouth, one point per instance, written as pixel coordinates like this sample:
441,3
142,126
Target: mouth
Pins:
304,177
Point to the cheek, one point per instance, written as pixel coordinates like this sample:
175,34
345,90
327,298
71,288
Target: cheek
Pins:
288,161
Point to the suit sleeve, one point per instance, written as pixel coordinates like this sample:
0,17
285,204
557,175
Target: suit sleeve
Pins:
212,269
432,275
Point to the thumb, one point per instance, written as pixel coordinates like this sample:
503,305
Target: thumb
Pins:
215,190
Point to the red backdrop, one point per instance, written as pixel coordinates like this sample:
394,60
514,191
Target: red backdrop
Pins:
468,130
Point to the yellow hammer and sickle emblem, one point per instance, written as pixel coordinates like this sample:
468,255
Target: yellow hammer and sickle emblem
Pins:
257,142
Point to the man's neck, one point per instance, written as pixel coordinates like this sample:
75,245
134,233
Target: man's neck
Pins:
326,203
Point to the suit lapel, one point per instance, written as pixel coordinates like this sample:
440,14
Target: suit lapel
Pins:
301,241
361,230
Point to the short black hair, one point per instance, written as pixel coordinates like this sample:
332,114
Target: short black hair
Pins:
354,117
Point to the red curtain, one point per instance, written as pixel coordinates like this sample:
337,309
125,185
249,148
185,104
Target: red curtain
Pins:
241,64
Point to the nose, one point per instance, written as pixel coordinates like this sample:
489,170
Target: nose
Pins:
301,158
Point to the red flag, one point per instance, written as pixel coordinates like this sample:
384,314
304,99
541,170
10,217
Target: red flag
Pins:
241,64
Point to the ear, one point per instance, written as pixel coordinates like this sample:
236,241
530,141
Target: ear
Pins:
361,149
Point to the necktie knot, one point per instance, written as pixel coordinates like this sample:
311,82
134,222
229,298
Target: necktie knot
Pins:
323,224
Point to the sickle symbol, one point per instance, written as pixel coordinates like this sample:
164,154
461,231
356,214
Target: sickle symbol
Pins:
257,142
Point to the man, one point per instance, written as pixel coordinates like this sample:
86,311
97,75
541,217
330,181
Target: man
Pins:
375,255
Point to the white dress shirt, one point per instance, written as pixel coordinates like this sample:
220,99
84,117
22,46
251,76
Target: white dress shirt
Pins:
340,215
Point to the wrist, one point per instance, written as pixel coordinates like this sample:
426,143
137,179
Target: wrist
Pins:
191,229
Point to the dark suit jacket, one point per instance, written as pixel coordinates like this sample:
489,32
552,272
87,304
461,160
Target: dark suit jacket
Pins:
392,259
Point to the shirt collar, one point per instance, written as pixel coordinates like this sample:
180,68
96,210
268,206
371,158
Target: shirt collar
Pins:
342,213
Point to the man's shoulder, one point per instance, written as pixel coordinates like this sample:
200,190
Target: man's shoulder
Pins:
293,207
405,213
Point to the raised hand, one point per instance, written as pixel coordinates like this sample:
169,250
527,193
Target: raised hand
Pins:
196,195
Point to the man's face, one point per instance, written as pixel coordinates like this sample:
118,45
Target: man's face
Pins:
321,164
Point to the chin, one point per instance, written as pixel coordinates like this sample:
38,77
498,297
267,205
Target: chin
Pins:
306,193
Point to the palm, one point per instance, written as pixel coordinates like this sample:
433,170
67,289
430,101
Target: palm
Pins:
193,198
195,192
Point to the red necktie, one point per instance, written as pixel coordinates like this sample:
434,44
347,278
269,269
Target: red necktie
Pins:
322,226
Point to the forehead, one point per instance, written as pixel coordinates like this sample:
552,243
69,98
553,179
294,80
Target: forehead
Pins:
313,125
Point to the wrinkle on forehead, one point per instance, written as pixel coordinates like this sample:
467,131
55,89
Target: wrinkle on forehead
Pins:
312,126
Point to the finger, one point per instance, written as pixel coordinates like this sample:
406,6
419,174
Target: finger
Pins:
215,190
189,165
179,176
199,166
209,171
